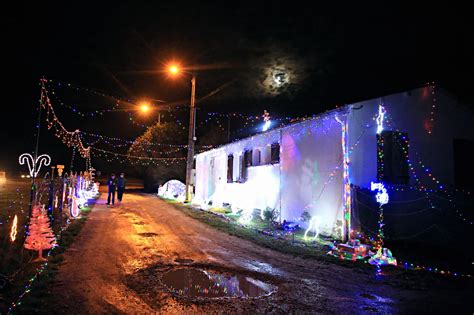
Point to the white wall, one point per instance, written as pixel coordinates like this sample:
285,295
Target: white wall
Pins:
308,177
312,172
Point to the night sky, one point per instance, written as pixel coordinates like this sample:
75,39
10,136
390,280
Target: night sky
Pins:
335,55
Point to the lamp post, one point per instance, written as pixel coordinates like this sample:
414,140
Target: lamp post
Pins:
191,140
175,70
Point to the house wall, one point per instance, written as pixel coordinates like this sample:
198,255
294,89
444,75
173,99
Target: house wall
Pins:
312,172
410,112
260,190
307,178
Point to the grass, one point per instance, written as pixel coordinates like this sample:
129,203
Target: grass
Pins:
40,298
300,248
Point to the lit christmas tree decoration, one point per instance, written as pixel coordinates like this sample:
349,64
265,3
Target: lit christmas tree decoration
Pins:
40,235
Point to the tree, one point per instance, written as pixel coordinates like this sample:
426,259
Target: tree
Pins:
160,141
168,140
40,235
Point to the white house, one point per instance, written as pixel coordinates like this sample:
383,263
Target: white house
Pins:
314,165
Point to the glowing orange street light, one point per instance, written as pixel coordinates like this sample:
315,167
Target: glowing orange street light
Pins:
144,107
173,69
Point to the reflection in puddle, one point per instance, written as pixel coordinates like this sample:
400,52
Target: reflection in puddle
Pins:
149,234
201,283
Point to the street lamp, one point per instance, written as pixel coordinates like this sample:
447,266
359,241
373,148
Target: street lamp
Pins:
144,107
175,70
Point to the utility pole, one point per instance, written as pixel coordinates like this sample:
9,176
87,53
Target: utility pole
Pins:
191,140
38,130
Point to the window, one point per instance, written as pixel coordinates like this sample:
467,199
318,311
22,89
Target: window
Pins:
230,168
275,153
243,169
392,157
248,158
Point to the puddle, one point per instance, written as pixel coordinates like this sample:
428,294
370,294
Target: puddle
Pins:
148,234
192,282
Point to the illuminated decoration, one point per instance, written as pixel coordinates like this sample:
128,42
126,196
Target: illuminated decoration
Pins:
74,207
34,166
40,235
346,180
266,121
383,257
382,199
382,195
429,124
313,226
353,250
173,189
60,169
13,231
380,118
246,216
71,139
134,160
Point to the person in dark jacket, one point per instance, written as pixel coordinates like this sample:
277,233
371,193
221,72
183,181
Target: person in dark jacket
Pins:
112,184
121,182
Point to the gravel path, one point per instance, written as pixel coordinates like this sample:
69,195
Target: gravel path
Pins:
116,264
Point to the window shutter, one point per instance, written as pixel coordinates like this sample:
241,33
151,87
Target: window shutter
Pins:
275,153
230,168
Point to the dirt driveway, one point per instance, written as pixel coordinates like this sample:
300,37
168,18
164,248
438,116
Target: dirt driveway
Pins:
118,260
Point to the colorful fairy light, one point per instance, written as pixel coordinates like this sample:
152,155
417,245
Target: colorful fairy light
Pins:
346,179
71,139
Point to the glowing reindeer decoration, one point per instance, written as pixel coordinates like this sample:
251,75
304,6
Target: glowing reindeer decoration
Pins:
34,166
313,227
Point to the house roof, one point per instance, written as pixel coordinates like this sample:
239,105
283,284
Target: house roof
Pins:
314,117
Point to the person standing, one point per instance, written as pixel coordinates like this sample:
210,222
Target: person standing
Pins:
121,186
112,185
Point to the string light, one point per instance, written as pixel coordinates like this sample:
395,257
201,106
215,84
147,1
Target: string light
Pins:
71,139
430,124
346,179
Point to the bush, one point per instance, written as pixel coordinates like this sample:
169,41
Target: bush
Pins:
305,216
270,215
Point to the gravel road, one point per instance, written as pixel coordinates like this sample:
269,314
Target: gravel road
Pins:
117,262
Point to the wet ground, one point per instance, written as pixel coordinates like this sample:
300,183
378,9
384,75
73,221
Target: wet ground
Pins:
145,256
